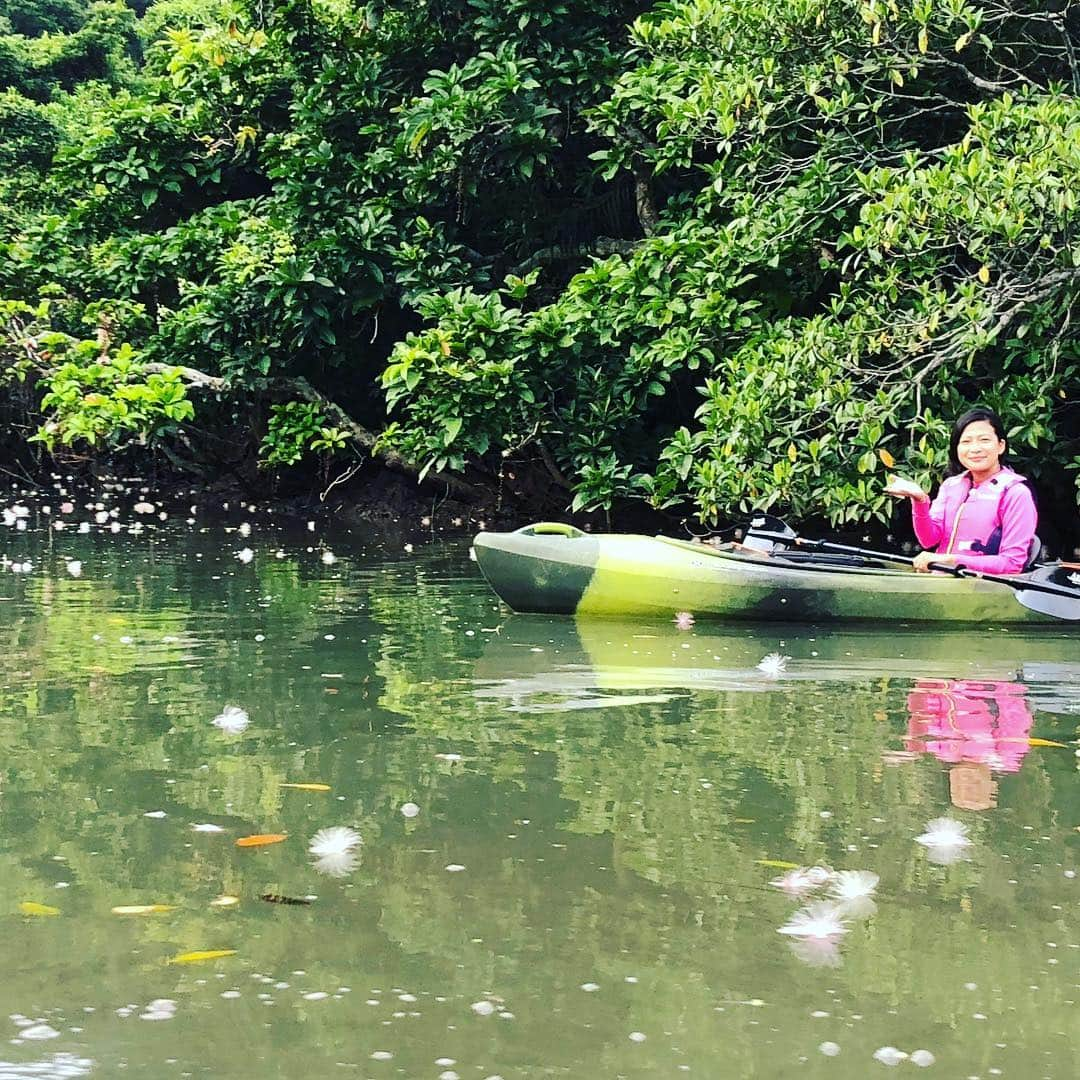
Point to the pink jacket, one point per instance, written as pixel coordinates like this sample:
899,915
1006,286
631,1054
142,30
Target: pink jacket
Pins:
997,522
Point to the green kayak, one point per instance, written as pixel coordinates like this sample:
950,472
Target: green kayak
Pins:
555,568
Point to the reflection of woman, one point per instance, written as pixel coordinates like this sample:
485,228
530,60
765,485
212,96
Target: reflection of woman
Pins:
984,515
964,721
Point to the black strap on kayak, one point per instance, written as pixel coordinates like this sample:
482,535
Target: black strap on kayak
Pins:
817,558
1051,589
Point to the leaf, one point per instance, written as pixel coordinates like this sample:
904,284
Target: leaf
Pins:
307,787
143,909
225,901
961,42
984,274
886,458
419,136
924,40
31,907
778,864
199,955
261,839
1046,742
792,453
277,898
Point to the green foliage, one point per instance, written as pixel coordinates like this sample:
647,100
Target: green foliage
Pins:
88,43
100,401
92,394
805,232
30,139
871,223
471,398
296,427
32,18
279,188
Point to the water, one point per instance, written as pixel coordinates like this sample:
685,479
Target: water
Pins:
583,890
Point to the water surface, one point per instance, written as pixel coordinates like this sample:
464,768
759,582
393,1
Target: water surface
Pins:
583,889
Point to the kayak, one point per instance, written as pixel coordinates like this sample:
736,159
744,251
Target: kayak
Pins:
554,568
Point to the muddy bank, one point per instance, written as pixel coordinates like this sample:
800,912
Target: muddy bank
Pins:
367,494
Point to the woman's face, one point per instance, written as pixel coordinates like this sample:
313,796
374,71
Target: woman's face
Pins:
980,449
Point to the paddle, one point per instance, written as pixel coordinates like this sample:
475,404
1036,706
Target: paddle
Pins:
1050,590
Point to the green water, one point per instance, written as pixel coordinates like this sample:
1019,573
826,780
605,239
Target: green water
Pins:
586,864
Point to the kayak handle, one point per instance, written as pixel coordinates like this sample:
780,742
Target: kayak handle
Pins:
551,528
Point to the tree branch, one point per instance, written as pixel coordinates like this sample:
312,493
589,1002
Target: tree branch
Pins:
360,435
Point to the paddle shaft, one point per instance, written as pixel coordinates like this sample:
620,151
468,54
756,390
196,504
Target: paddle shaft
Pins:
1022,585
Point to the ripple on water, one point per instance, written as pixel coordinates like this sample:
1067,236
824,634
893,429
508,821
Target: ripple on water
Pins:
54,1067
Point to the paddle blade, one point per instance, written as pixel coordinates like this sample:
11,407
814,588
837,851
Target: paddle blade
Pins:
1055,591
1059,605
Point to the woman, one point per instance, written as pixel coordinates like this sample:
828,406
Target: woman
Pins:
984,516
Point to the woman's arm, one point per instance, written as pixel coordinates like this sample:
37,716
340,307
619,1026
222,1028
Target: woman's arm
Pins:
929,520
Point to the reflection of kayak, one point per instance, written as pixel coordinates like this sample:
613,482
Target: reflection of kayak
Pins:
533,658
557,569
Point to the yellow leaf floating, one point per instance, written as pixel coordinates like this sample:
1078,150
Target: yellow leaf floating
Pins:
225,901
777,864
200,955
142,909
31,907
886,458
307,787
261,839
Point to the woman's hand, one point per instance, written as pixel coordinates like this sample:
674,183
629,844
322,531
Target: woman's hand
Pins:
905,489
923,560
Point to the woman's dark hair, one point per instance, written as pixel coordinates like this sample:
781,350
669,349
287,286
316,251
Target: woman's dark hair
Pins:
973,416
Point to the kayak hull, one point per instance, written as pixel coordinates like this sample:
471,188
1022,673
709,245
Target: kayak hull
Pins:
556,569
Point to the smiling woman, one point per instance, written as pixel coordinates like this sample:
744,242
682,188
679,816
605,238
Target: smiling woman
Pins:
984,516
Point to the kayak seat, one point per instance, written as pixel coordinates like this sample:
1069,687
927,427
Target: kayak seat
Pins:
1035,554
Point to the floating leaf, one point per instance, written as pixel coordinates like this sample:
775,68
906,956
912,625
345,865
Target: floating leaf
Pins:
261,839
225,901
200,955
307,787
277,898
31,907
142,909
886,458
779,864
